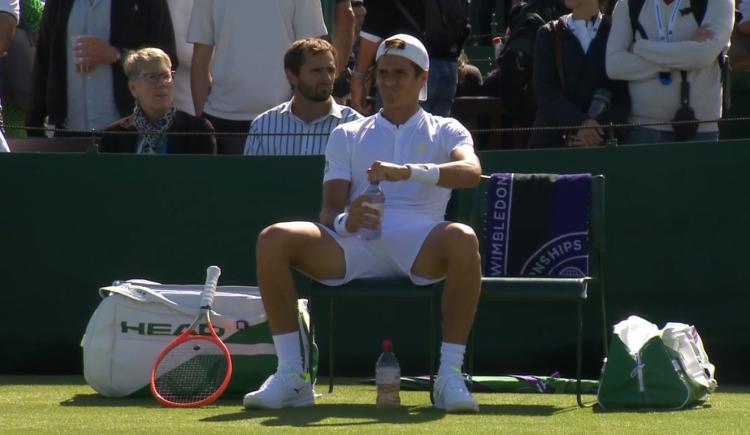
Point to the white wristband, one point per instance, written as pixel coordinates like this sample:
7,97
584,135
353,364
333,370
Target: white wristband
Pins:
427,173
339,224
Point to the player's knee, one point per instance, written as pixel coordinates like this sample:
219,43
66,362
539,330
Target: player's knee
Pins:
461,239
272,239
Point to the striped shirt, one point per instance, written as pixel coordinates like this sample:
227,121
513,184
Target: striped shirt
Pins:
279,132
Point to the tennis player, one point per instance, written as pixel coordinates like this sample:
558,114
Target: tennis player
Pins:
418,158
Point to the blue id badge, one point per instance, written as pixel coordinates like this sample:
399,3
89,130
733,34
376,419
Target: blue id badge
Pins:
665,77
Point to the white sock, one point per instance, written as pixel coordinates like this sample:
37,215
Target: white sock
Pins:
451,358
288,351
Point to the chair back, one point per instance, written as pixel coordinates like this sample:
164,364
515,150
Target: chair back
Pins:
471,206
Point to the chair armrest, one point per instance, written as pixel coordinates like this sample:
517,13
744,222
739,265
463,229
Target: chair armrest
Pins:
534,288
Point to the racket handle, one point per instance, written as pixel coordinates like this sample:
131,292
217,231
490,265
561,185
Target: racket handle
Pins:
209,289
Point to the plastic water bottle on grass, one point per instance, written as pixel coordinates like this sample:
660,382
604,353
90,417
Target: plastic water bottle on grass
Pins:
375,200
388,378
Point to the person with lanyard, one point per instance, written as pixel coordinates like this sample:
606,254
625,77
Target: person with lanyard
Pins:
570,83
670,42
154,118
417,158
8,20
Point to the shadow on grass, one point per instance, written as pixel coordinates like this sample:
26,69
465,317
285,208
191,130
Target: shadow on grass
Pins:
599,410
362,415
97,400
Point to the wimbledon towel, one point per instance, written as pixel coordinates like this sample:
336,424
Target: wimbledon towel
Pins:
537,225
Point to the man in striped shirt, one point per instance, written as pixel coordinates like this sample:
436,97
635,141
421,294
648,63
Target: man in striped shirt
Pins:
301,126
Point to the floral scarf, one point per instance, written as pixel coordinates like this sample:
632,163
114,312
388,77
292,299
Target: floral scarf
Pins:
151,135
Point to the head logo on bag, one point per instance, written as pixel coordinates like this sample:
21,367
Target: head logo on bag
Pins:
147,328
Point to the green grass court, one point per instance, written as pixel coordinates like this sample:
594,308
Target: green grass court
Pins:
65,404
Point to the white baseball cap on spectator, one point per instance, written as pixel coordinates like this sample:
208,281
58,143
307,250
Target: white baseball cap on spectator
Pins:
409,47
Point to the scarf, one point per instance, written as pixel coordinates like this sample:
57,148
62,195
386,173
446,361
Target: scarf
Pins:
150,135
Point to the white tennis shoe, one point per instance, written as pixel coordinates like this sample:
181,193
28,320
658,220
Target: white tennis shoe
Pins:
281,390
450,394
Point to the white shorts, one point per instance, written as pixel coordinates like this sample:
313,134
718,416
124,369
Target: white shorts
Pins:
392,255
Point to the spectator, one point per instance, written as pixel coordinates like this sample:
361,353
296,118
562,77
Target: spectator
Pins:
301,126
342,85
78,81
238,58
8,22
151,80
653,63
569,69
387,17
343,33
469,78
415,240
180,11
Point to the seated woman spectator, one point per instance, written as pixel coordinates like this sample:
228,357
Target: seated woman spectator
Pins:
151,81
570,81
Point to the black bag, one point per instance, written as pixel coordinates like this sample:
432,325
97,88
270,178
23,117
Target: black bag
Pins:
516,60
684,131
445,25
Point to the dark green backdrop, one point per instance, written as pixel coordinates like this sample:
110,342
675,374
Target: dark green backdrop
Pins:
677,235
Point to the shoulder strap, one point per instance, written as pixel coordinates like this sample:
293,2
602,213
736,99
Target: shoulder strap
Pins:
635,7
558,53
409,17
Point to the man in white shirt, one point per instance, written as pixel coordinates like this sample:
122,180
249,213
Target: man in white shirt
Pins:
301,126
238,50
417,158
673,38
180,11
8,21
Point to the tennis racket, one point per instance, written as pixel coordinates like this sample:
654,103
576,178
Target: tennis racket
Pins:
195,368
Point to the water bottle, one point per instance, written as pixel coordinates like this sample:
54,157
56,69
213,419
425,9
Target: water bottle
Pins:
388,378
376,200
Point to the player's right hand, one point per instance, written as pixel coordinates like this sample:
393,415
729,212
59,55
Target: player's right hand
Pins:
362,216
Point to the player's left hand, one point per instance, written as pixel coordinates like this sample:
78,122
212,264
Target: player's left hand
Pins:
385,171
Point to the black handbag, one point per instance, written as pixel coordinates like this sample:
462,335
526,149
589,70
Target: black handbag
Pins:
683,130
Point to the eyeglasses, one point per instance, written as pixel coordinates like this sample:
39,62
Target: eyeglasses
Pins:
156,78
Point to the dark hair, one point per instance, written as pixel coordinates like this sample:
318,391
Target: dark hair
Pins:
295,55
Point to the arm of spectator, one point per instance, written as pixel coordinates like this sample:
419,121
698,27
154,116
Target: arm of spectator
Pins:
308,19
343,34
200,75
548,91
621,63
37,104
368,47
710,39
8,24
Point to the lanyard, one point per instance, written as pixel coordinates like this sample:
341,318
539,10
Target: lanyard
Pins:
664,36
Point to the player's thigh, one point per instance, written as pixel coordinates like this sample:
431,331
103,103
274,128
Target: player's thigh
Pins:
448,241
308,248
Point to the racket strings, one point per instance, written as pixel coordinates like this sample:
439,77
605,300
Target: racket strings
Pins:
190,372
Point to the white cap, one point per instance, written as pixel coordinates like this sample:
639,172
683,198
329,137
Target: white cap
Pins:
409,47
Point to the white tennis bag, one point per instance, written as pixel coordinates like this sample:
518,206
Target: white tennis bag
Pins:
136,319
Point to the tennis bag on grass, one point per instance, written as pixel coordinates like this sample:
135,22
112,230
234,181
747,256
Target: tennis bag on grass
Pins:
651,368
136,319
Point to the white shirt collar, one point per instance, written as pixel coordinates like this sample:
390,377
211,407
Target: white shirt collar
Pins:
381,120
335,111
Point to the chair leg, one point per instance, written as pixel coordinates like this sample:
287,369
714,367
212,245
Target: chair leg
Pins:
330,346
431,346
579,352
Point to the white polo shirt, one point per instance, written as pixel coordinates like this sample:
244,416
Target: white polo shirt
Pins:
424,138
250,39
